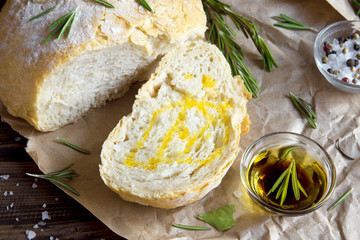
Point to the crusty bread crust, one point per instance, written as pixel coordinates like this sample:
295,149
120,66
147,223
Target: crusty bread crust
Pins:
28,68
170,181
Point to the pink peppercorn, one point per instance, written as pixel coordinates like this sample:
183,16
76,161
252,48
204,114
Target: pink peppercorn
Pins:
345,79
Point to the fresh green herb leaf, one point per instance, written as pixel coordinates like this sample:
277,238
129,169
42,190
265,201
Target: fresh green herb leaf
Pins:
286,151
43,13
79,149
340,200
60,25
221,218
190,227
222,35
302,189
304,109
106,4
57,175
290,23
146,5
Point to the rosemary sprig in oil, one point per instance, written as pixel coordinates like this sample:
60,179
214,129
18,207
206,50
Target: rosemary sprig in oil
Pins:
304,109
222,35
55,177
340,200
61,25
79,149
43,13
106,4
290,23
146,5
282,183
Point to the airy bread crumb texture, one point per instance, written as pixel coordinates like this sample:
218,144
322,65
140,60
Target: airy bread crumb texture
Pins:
183,133
53,84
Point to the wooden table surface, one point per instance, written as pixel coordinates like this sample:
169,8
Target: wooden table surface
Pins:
23,200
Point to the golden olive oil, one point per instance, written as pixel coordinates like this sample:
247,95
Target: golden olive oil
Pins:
269,165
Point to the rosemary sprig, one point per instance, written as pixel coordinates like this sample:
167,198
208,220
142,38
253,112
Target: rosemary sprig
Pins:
356,6
79,149
146,5
43,13
340,200
222,35
57,175
284,179
190,227
290,23
60,25
304,109
106,4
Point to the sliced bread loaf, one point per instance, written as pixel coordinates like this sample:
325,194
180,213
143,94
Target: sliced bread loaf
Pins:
183,133
53,84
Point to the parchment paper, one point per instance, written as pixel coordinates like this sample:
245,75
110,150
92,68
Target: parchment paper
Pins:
338,114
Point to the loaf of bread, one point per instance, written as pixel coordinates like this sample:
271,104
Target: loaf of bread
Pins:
53,84
183,133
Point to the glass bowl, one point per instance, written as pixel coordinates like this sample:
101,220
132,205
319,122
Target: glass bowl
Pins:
327,35
284,139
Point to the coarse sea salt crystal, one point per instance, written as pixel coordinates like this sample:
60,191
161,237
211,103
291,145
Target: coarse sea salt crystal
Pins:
44,205
41,223
36,226
5,193
17,219
34,185
45,215
30,234
11,193
4,177
11,205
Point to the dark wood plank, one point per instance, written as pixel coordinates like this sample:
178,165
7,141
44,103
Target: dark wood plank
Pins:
22,199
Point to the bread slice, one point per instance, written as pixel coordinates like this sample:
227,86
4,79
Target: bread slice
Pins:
183,133
53,84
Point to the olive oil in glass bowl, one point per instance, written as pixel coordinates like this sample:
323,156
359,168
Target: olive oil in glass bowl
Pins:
273,156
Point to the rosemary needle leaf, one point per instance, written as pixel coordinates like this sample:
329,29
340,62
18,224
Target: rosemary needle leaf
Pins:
342,198
280,190
286,151
43,13
79,149
59,174
294,182
222,35
146,5
290,23
304,110
106,4
190,227
278,181
301,188
60,20
71,24
66,24
64,185
286,185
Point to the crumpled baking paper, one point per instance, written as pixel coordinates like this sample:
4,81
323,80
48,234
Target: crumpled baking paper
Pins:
338,115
